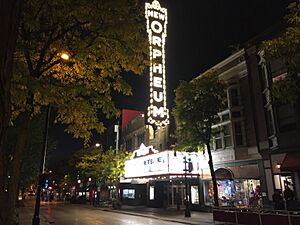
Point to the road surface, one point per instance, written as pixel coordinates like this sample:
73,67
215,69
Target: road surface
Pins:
70,214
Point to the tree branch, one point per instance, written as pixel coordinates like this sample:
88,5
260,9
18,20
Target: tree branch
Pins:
29,62
49,66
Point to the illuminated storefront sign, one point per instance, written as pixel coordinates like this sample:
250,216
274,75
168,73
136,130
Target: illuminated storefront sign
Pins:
158,114
162,163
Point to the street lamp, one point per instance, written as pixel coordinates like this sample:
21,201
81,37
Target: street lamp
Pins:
187,202
36,216
65,56
97,145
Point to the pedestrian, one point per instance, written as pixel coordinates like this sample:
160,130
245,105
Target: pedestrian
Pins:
288,195
277,200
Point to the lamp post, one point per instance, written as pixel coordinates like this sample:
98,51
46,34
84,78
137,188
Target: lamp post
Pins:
36,216
187,201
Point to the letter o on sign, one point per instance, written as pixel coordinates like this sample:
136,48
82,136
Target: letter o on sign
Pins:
156,26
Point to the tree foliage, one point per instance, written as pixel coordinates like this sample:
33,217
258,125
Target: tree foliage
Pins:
103,165
102,38
286,48
196,106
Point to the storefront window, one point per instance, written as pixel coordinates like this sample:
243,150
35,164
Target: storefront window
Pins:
281,181
194,195
129,193
208,193
238,192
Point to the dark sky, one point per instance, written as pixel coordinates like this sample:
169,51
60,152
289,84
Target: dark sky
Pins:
200,34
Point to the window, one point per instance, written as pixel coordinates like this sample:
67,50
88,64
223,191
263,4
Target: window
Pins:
218,140
225,117
238,133
234,96
141,139
129,144
129,193
222,131
227,135
222,136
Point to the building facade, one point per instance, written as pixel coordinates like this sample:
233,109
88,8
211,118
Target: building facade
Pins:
277,125
255,147
237,161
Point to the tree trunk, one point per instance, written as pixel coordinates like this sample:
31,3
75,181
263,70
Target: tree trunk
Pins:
213,176
9,17
8,216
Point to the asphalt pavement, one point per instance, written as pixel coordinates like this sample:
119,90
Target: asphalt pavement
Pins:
59,213
170,214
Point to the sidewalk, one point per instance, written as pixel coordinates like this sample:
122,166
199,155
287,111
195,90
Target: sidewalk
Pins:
171,214
26,215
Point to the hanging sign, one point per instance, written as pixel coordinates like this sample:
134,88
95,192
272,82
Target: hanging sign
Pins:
157,20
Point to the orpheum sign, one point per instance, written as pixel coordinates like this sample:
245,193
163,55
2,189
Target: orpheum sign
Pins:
158,114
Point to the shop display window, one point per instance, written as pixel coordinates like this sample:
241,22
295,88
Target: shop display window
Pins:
129,193
238,192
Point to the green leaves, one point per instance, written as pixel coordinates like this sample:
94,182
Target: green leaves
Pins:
196,104
286,47
102,38
103,165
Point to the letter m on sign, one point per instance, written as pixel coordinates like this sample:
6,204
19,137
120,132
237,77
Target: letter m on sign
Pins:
158,112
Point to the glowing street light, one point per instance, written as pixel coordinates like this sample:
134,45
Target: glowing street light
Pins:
97,145
65,56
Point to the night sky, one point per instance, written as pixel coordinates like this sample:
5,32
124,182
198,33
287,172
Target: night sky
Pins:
200,34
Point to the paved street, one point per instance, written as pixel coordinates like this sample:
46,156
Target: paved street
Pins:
69,214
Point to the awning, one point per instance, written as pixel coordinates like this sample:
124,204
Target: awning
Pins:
291,162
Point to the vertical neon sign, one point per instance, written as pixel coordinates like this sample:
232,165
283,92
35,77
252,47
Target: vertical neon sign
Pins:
157,20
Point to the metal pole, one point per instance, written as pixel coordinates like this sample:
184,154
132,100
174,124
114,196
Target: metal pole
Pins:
36,216
187,202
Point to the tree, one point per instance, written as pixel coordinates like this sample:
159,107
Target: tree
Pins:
9,18
196,106
286,47
103,165
102,38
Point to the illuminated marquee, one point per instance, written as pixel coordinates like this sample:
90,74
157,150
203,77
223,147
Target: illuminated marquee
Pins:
161,163
157,19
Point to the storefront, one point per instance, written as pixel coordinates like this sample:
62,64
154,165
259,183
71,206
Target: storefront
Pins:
158,178
286,172
238,186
